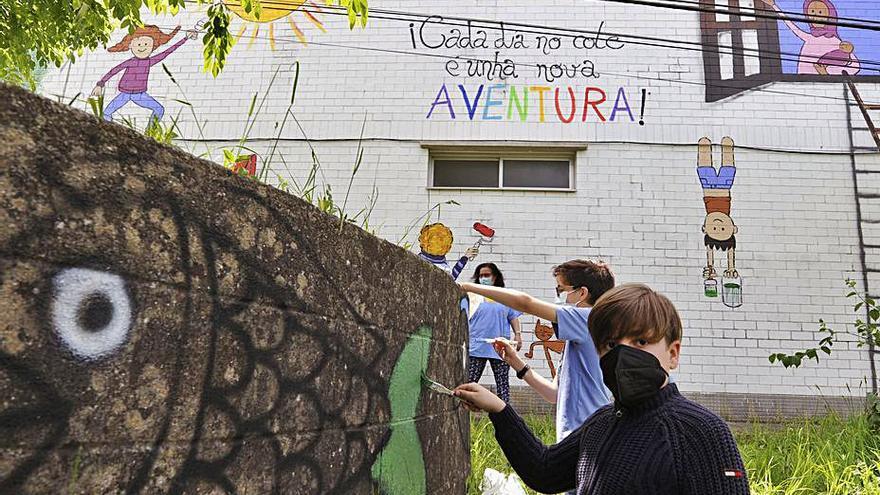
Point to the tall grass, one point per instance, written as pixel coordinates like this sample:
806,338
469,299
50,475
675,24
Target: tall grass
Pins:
314,188
485,452
308,190
830,455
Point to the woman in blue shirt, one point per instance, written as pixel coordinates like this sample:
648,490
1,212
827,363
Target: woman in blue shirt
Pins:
491,320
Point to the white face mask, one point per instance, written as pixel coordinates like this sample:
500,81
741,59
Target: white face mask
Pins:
486,280
562,298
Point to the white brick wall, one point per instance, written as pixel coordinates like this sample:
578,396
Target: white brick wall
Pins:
638,203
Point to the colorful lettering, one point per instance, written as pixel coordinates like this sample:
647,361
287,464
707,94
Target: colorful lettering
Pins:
492,103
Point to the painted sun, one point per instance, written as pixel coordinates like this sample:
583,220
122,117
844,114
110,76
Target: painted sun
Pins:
274,10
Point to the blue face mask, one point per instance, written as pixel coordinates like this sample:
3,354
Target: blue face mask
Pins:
486,280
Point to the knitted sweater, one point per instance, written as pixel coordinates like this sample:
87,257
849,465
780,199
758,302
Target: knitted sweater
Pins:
668,445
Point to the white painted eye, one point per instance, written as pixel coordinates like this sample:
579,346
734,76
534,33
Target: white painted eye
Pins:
91,311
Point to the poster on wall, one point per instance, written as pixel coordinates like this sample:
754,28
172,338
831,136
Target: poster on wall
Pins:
749,43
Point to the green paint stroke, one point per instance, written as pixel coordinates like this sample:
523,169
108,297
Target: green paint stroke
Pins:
400,467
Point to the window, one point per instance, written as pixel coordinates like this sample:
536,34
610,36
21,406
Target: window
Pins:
747,43
530,169
736,46
548,174
466,173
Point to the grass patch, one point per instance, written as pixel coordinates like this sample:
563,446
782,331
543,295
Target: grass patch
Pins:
485,452
830,455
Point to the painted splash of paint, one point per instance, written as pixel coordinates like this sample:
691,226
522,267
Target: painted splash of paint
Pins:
400,467
91,311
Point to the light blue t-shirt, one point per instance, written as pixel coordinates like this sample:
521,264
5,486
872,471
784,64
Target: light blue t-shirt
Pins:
581,390
490,320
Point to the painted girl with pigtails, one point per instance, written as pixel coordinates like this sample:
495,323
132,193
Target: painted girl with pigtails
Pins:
142,42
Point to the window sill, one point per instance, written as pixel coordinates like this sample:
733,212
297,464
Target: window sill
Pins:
529,147
501,189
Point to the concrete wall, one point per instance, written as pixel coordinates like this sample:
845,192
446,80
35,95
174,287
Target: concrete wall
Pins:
169,327
799,194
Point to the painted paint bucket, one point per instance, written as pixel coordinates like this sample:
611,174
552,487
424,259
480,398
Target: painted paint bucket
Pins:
710,287
731,292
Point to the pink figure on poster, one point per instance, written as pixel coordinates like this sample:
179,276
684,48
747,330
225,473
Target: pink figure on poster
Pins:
823,51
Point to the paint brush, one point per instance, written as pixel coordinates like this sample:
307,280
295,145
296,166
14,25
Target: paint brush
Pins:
436,387
498,343
441,389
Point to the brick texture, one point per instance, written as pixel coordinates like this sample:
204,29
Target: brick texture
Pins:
638,202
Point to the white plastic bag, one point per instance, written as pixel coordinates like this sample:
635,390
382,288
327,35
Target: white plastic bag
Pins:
495,483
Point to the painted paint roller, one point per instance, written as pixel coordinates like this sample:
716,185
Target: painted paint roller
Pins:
486,235
485,231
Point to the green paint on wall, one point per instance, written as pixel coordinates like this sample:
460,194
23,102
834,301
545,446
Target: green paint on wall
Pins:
400,467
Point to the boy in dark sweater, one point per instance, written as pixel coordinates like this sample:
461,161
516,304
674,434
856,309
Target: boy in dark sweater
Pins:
651,440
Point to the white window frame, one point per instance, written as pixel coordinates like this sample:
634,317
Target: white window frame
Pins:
523,152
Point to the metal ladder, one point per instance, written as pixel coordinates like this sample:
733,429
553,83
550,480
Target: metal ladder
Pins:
866,181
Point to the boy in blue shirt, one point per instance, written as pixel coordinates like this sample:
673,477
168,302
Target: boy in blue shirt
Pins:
578,390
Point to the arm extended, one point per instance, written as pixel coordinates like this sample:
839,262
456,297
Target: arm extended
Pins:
800,33
155,59
112,72
517,300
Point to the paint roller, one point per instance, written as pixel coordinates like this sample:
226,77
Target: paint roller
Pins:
485,231
486,234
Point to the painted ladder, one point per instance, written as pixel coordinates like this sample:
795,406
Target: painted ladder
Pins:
865,160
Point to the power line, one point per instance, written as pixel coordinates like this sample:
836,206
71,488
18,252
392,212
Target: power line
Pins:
798,16
861,23
341,11
566,32
682,5
496,26
622,75
798,151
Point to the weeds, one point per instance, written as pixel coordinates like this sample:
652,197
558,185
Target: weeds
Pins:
421,221
309,190
828,455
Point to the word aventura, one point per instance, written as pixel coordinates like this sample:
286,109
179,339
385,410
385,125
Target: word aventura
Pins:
564,104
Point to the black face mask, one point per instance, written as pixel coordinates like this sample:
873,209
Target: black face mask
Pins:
631,374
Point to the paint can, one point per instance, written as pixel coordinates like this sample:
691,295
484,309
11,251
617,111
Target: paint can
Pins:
710,287
731,292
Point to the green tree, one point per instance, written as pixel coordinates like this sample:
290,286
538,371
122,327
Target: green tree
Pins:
51,32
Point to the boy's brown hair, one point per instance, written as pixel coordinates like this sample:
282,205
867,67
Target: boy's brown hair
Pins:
159,38
596,276
635,311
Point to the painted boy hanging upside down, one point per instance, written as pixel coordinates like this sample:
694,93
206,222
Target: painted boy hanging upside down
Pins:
718,227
